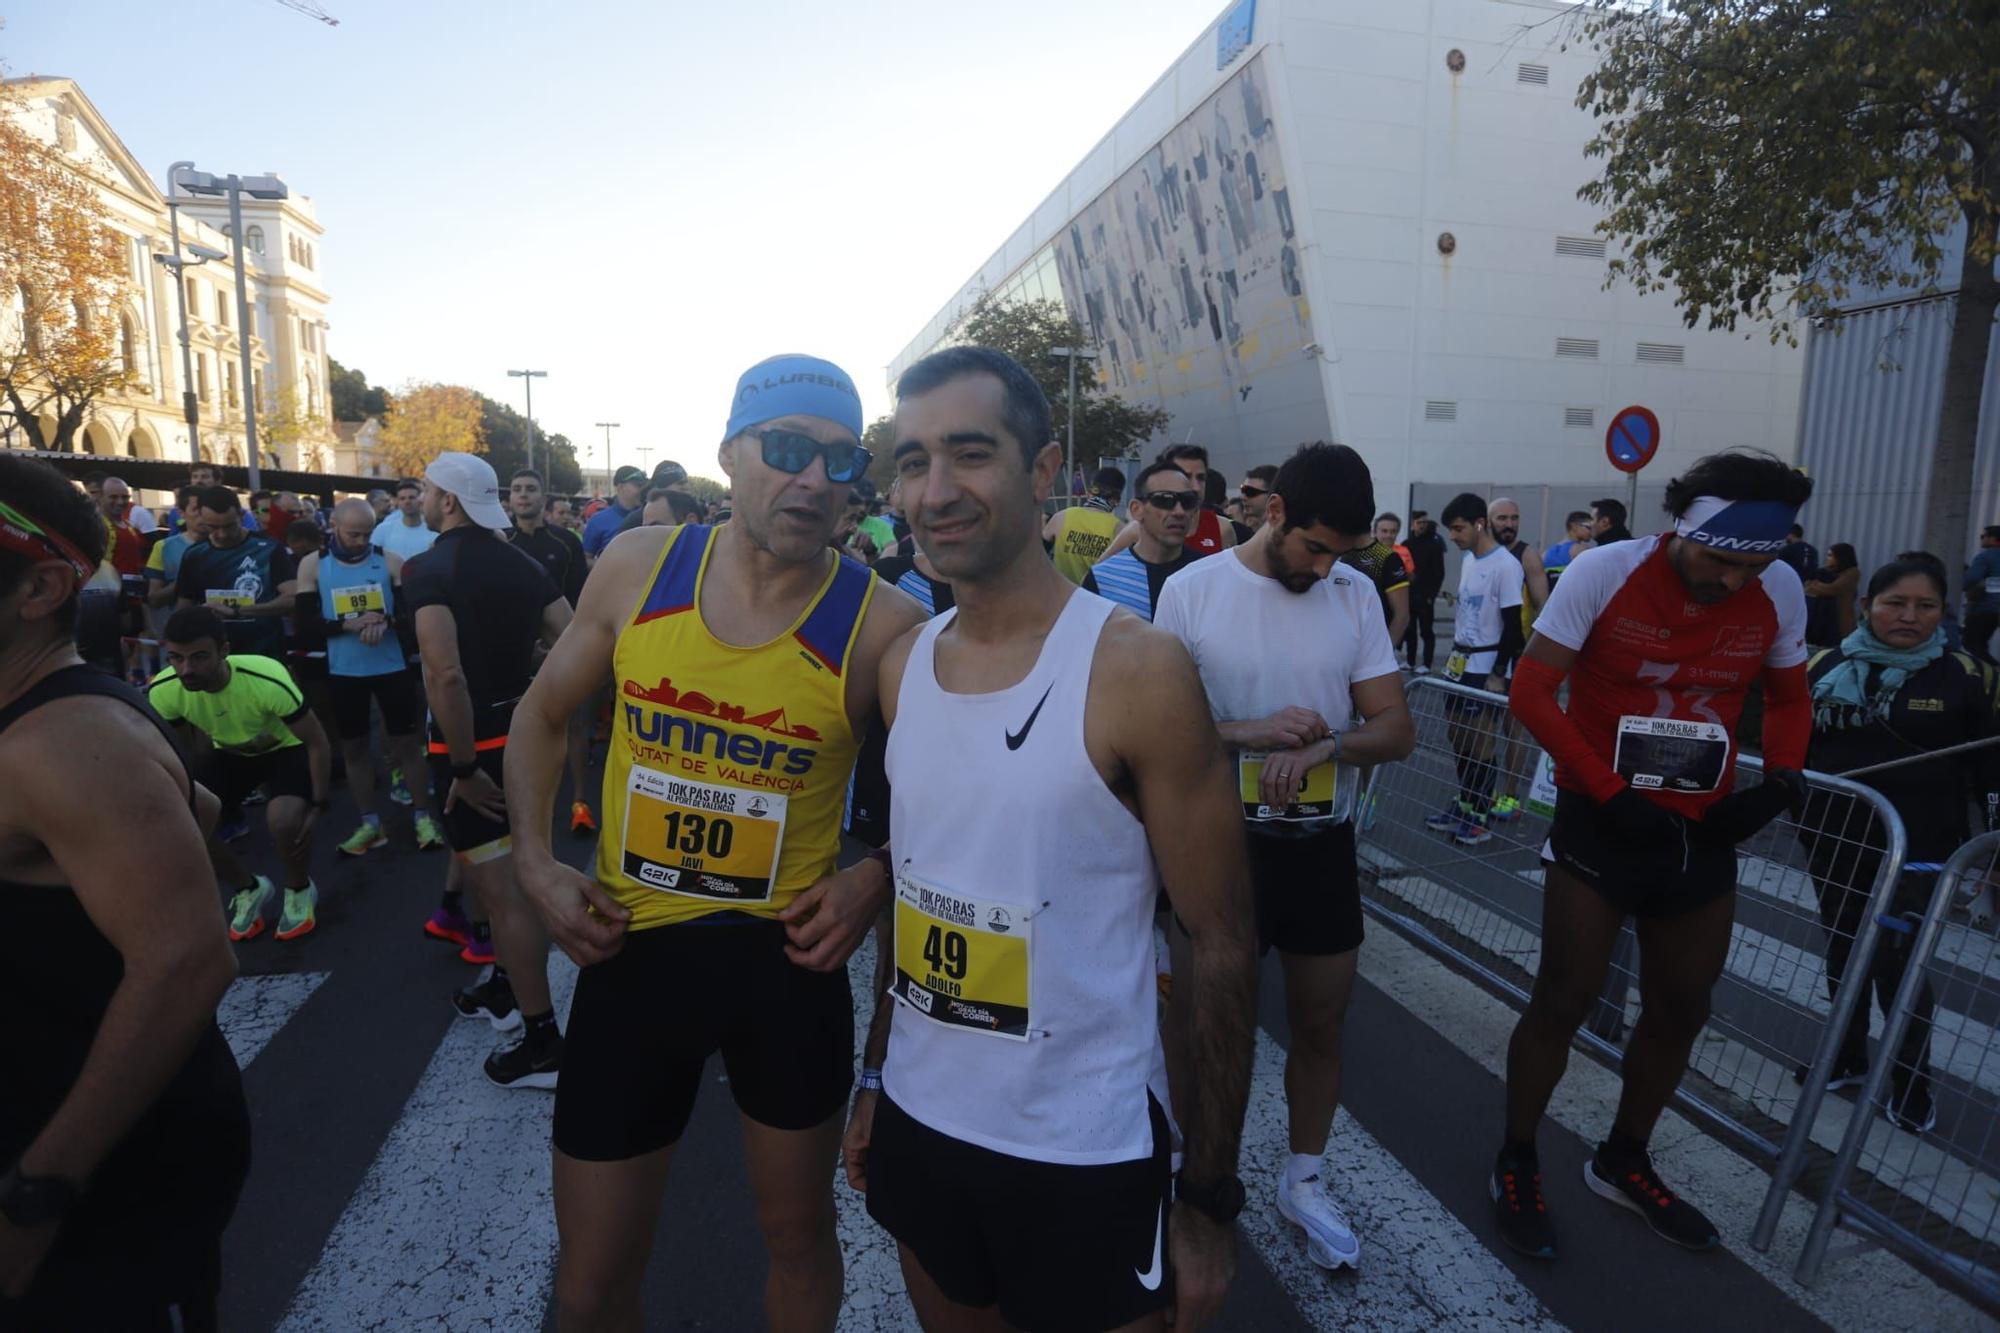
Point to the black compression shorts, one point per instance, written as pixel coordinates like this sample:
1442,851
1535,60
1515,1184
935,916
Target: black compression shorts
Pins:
1644,881
399,693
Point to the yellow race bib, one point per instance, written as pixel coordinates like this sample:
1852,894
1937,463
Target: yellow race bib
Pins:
1323,791
700,840
961,962
357,599
229,597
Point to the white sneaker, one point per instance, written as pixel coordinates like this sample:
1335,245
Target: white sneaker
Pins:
1330,1241
1423,671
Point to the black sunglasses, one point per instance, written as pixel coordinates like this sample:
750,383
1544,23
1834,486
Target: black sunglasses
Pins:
1252,492
1166,500
789,451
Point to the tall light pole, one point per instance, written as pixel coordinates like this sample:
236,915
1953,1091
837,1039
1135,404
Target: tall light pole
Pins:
257,187
608,426
528,378
1071,355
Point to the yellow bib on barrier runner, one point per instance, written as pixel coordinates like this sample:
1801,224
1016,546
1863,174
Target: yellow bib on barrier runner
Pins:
357,599
1318,797
961,962
1454,666
701,840
229,597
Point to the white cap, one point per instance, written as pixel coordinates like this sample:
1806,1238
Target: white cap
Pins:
472,479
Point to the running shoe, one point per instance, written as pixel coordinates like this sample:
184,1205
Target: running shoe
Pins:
1330,1241
1846,1073
399,791
246,909
1472,831
1914,1111
256,795
1423,671
527,1063
580,821
299,918
429,835
451,927
364,840
232,830
478,952
1446,820
1505,810
1635,1185
490,998
1523,1219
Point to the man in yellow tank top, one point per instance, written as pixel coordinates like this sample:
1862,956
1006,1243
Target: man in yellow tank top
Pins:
743,666
1080,536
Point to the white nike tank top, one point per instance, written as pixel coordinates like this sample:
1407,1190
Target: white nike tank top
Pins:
1025,980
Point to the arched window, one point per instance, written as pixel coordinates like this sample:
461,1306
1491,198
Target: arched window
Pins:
81,308
254,238
128,344
312,395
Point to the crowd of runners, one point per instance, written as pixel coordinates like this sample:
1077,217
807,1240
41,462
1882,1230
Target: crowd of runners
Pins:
1083,754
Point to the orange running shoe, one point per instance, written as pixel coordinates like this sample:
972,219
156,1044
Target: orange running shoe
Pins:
580,820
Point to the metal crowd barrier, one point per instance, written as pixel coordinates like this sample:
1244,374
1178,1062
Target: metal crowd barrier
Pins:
1758,1074
1930,1193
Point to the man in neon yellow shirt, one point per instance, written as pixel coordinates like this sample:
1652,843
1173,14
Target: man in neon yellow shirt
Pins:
259,732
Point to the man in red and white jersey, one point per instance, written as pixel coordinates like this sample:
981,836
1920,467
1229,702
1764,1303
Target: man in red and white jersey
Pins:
1663,637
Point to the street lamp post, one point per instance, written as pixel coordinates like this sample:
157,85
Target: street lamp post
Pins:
257,187
528,378
1071,355
608,426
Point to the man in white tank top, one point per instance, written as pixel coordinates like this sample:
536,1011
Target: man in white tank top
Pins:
1051,764
1293,652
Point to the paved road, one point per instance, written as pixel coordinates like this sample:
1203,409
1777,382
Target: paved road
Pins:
394,1188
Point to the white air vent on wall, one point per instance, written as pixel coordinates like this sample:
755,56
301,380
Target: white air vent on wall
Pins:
1662,354
1577,349
1579,418
1580,247
1437,409
1535,74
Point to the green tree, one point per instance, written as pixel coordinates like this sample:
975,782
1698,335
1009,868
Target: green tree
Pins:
879,439
1106,426
1767,157
506,432
352,396
706,489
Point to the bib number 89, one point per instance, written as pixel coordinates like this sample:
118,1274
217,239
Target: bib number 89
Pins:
945,951
699,835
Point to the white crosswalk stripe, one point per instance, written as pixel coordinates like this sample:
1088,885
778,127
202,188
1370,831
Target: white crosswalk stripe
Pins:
254,1008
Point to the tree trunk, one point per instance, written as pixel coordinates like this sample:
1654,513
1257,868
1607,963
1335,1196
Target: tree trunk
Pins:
1948,505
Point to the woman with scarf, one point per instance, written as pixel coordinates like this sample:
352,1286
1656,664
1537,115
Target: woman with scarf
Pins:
1893,690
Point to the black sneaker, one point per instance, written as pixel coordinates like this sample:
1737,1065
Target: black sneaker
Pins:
1637,1186
529,1063
1845,1074
490,998
1914,1111
1523,1219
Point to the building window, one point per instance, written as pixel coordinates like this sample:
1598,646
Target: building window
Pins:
194,298
221,308
257,390
31,326
229,384
128,345
201,377
82,311
254,238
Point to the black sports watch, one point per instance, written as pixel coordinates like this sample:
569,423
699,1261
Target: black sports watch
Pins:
31,1201
1222,1202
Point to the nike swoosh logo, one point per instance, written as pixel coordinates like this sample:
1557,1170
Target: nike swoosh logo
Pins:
1014,739
1150,1279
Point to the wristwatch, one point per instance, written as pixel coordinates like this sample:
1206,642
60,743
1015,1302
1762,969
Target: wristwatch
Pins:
1221,1202
30,1201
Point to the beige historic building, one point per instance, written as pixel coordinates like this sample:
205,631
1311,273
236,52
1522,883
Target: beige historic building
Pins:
287,297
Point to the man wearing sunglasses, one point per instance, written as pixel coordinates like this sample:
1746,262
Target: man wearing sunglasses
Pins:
743,659
1256,493
1164,502
1211,532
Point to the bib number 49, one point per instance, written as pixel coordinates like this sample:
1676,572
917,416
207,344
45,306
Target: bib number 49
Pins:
946,952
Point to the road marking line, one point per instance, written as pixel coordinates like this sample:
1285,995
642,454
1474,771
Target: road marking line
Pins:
254,1008
455,1215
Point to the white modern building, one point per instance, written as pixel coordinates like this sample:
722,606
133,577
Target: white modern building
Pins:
1357,220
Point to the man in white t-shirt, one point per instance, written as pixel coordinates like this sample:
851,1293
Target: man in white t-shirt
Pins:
1487,633
404,532
1292,650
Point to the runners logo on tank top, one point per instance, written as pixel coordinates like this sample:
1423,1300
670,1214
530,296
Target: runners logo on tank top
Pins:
691,731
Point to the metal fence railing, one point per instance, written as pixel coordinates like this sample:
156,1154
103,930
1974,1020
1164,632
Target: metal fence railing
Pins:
1918,1168
1811,894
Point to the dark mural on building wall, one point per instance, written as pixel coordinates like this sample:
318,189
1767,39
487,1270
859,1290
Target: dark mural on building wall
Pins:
1186,271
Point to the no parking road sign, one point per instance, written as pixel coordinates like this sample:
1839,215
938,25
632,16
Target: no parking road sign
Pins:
1632,438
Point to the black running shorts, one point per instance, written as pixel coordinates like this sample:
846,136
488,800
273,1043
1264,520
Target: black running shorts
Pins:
234,776
1644,881
1308,892
475,838
645,1021
1055,1248
400,693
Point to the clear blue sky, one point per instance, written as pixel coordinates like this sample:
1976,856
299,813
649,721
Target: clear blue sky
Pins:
641,197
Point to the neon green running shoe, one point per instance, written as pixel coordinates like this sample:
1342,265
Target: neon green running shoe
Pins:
364,840
246,909
429,835
1505,810
298,917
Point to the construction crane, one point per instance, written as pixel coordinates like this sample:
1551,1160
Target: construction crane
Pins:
311,11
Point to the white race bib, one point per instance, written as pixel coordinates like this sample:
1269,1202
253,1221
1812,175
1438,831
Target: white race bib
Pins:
1667,754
